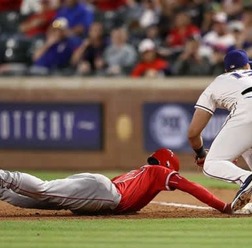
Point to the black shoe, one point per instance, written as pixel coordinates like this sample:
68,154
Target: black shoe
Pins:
243,196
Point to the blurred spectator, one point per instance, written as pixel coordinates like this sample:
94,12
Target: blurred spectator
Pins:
173,26
220,38
152,32
56,51
216,42
133,9
37,24
190,61
111,19
247,17
127,16
194,9
166,17
233,8
182,30
243,32
10,5
247,44
150,64
108,5
208,17
29,7
88,58
79,17
119,56
150,13
237,28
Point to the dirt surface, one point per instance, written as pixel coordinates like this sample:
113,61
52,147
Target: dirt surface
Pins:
8,212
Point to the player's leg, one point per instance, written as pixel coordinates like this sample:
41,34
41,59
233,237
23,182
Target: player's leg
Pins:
97,195
232,141
15,199
84,193
247,156
22,183
89,192
24,190
77,176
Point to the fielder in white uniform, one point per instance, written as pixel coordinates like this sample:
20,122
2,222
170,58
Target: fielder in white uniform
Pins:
231,90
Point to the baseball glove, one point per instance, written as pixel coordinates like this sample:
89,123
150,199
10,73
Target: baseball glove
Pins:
200,160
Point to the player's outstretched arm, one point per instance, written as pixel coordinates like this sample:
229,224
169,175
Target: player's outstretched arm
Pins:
178,182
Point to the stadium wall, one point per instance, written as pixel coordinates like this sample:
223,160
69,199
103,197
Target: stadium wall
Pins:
122,125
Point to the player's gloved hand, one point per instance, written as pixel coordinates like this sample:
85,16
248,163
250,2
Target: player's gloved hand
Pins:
199,161
200,156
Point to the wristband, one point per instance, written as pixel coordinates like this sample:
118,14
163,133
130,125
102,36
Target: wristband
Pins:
201,153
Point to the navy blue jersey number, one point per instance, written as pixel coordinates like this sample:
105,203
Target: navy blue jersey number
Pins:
242,74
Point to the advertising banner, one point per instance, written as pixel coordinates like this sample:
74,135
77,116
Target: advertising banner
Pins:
166,125
51,126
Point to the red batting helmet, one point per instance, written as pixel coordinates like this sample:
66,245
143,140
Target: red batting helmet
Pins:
164,157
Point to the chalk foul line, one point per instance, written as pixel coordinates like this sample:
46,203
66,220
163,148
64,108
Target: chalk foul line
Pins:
180,205
246,210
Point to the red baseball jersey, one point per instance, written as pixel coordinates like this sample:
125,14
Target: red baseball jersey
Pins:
142,67
139,187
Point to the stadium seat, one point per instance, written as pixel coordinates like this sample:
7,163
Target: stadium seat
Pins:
16,50
9,22
2,49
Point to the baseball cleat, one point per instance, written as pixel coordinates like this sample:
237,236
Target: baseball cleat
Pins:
243,196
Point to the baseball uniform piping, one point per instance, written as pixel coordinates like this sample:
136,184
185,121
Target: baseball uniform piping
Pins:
230,115
65,197
204,108
227,119
168,179
221,178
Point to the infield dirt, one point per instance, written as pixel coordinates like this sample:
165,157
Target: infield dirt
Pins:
8,212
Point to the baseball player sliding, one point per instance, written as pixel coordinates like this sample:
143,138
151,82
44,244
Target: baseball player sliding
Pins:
232,91
96,194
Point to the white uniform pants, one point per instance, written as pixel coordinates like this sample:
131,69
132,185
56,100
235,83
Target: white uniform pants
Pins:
234,139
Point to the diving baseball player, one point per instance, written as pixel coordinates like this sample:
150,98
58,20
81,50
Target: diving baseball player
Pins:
231,90
96,194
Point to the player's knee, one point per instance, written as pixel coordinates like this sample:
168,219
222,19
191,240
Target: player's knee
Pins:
211,167
207,167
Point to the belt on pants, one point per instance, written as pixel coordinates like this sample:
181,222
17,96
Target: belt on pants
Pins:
246,91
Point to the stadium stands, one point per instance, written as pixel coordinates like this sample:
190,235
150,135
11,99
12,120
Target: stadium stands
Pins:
137,16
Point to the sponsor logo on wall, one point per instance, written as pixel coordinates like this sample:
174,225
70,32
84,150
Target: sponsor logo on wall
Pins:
169,125
51,126
166,125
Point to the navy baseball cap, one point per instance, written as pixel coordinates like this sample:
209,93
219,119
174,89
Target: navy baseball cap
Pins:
236,59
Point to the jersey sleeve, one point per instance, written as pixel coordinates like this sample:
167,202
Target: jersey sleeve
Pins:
199,192
206,101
